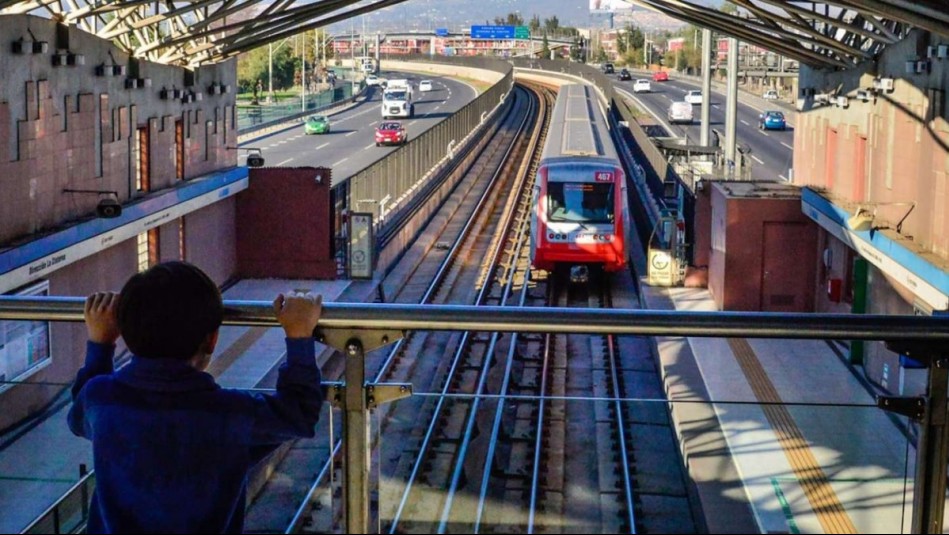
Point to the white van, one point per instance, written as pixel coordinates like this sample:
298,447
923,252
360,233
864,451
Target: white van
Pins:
680,112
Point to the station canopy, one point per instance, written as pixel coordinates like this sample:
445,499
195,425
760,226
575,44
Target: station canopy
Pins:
837,34
192,32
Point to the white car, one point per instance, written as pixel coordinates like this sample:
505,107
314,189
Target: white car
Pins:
680,112
770,94
372,79
425,85
693,97
642,86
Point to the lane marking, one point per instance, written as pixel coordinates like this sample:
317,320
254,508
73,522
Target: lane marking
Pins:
285,161
339,162
746,123
788,146
763,133
716,106
412,122
369,146
353,132
757,159
784,178
323,145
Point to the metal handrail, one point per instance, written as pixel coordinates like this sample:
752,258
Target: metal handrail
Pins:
388,317
921,336
81,487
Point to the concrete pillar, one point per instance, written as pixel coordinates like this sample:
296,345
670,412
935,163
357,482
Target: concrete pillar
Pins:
706,128
731,109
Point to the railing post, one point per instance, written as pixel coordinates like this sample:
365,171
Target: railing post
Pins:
932,453
931,457
356,425
358,398
84,493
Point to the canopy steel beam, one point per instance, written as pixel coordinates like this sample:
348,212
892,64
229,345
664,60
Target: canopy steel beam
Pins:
190,32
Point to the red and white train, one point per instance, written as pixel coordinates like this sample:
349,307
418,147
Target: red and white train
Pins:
580,212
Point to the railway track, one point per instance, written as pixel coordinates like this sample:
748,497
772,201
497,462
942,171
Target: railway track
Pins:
510,433
467,246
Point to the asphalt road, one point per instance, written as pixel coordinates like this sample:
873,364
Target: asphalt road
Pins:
772,151
350,146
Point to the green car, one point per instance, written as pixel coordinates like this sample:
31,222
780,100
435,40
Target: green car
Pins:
317,124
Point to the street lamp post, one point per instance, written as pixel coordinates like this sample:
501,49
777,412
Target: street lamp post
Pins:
270,69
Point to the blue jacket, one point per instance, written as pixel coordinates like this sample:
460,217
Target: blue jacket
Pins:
172,448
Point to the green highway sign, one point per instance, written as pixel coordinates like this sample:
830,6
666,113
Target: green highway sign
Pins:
522,32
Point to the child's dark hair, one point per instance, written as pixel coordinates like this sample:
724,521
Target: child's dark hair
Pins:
168,311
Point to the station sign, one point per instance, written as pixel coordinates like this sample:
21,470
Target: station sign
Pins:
500,32
441,32
361,246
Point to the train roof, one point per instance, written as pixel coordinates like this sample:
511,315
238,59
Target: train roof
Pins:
577,126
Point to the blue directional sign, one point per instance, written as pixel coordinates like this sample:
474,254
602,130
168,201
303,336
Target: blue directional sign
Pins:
492,32
441,32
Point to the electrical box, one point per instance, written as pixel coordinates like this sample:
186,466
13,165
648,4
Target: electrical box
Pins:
834,289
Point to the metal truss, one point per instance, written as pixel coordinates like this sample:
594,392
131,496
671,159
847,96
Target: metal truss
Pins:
192,32
834,34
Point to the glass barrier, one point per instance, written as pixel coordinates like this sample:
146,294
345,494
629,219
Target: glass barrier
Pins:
41,461
249,116
558,466
769,453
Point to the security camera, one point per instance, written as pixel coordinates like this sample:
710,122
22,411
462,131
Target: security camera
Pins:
255,160
108,208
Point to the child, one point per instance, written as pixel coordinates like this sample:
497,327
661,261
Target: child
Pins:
172,448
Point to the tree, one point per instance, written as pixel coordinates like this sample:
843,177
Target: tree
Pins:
635,38
254,65
512,19
728,8
545,48
601,56
552,24
534,24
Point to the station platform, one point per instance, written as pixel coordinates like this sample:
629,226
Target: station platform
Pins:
40,460
783,436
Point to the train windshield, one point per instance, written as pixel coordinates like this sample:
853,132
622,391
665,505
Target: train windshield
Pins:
580,202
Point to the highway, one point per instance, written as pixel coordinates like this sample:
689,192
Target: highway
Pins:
350,147
772,150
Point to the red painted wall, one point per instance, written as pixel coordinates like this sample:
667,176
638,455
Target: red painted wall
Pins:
284,225
703,226
737,264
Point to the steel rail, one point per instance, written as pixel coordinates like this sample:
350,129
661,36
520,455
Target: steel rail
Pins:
538,436
620,423
525,187
446,266
456,359
369,317
499,410
439,277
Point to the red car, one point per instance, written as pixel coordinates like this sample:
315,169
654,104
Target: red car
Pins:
390,133
660,76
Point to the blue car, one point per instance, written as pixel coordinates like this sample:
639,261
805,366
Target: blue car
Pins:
772,120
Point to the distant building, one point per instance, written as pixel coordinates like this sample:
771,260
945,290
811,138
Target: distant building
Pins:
674,45
601,19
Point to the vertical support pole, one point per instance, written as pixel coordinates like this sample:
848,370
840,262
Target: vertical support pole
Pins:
861,279
356,428
731,109
932,457
84,491
706,133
